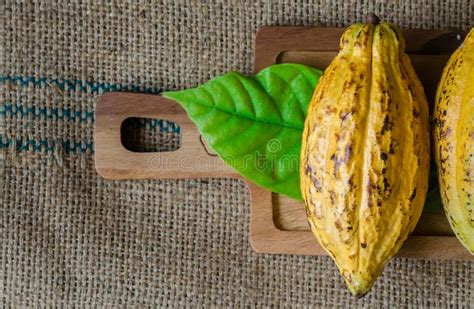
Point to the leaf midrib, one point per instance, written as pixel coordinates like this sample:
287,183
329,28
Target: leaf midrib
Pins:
283,124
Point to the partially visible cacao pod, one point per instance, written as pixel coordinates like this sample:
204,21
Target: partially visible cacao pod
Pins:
365,153
454,141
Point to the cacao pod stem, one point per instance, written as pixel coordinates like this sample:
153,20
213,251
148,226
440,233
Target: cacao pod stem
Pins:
373,19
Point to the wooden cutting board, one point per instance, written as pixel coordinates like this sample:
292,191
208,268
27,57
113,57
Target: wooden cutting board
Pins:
278,224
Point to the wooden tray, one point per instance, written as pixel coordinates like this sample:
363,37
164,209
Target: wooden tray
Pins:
278,224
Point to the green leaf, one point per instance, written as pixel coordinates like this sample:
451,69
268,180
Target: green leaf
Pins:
255,124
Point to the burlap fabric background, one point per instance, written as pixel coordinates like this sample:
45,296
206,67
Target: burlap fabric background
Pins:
69,237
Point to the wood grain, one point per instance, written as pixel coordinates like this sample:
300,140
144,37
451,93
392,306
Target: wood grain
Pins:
277,224
114,161
270,42
282,227
289,215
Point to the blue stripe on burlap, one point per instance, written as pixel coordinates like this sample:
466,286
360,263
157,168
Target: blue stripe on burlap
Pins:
10,109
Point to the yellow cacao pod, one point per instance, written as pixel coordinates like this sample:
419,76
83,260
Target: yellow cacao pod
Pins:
365,153
454,141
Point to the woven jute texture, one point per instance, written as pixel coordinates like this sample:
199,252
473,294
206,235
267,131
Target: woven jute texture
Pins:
69,237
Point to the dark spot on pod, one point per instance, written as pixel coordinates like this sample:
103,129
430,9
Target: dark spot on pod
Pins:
393,145
381,87
344,116
351,181
348,84
356,96
387,125
361,76
443,132
347,275
396,35
347,154
337,163
330,110
363,245
366,39
316,183
413,195
447,132
386,184
383,156
321,94
349,228
333,197
416,113
338,225
441,124
351,257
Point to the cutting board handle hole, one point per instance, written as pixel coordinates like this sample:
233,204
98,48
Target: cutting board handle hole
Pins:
150,135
